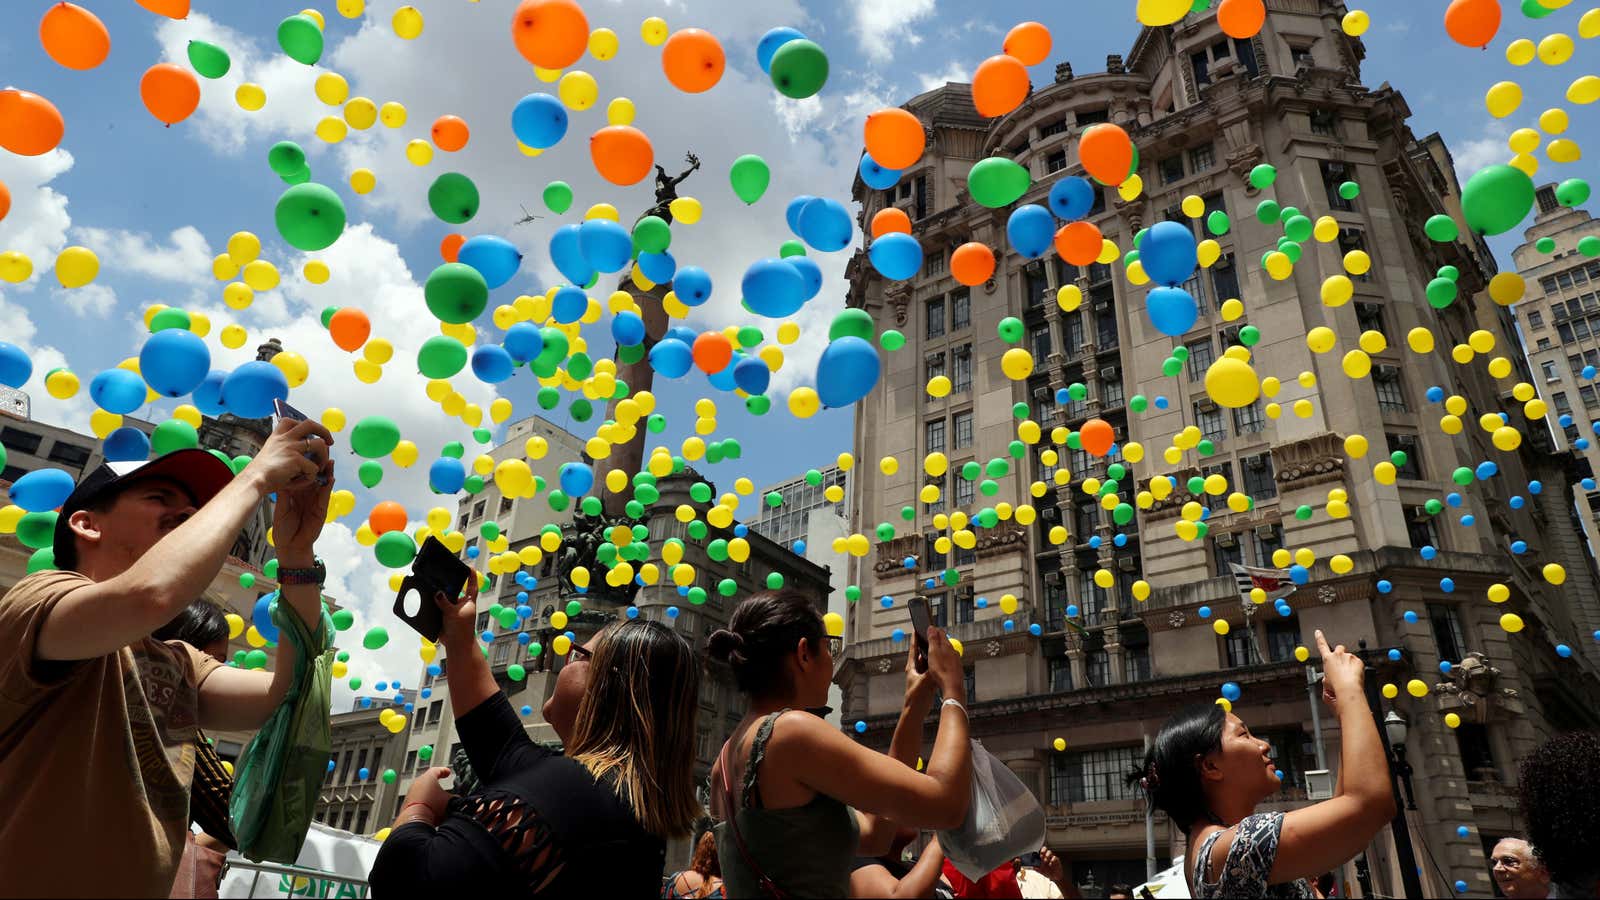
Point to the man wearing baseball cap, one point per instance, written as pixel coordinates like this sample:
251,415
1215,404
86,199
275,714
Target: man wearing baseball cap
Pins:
97,719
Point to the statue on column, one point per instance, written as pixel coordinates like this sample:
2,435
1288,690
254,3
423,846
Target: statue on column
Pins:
667,188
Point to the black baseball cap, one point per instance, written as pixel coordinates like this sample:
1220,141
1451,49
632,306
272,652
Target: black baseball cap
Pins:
198,471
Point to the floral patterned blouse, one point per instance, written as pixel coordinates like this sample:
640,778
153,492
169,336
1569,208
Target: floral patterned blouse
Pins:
1244,874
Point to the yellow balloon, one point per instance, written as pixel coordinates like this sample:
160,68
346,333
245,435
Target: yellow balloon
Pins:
1555,49
1420,340
685,209
1356,445
1279,265
243,248
293,366
1357,364
250,97
1357,262
1564,150
222,268
1321,339
233,336
1520,52
392,114
61,384
1356,22
331,88
1069,297
1507,288
804,402
419,152
316,271
407,22
1130,190
1232,383
238,295
653,31
260,275
578,90
1511,622
1503,98
1554,121
361,113
1193,206
332,130
15,266
1209,251
187,414
1232,309
546,75
351,9
1373,342
1326,230
76,267
1555,573
316,17
1337,290
1017,364
1584,90
1524,140
620,111
603,44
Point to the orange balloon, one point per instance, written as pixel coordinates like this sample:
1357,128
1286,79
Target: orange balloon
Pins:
1028,42
972,263
693,60
170,93
1472,23
172,9
712,352
1096,437
29,124
1241,19
387,516
1079,243
5,200
74,37
551,34
999,85
450,133
350,328
890,219
451,245
1106,153
622,154
894,138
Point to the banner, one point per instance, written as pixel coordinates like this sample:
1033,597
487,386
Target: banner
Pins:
336,864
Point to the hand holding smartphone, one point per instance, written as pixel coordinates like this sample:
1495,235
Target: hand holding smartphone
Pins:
920,620
435,571
283,410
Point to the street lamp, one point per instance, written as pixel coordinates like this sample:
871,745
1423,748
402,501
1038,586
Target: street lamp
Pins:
1395,729
1398,827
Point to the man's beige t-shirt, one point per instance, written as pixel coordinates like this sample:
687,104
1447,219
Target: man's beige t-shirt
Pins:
96,757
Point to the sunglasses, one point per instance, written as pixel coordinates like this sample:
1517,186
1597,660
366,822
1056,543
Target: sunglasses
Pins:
580,653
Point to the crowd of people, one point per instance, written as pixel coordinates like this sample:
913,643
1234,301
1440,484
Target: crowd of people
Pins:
114,657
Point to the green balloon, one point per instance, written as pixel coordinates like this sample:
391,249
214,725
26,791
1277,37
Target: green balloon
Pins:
655,423
441,357
370,473
389,775
1450,272
171,317
286,158
1249,335
629,355
580,366
1122,514
652,235
891,340
1263,176
1441,229
749,176
310,216
454,450
473,484
1434,506
394,549
555,347
1572,192
425,752
301,39
791,248
581,410
374,437
799,69
1349,190
255,659
1010,329
1441,293
851,323
37,530
1139,403
1545,245
1267,211
209,60
515,671
1533,9
343,619
453,198
173,434
456,293
1218,223
376,636
548,398
41,560
1078,390
558,197
482,435
759,405
997,182
1589,246
300,176
1496,199
270,569
1298,229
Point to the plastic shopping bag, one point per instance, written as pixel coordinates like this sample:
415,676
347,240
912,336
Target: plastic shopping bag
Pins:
1004,821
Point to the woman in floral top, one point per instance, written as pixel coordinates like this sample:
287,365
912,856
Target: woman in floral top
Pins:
1208,773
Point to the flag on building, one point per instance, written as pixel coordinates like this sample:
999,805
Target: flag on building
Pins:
1275,582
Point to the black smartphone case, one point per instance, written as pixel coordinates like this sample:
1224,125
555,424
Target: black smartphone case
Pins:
435,571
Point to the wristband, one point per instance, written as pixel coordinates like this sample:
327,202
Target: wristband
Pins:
951,701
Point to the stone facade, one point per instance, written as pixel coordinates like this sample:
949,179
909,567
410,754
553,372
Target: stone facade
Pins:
1106,670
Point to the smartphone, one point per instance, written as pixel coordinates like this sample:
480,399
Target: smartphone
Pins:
284,411
920,621
434,571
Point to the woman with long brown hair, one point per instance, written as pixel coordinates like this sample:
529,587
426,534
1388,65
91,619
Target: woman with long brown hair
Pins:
544,824
703,879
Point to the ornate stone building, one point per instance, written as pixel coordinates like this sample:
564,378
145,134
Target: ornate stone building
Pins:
1106,670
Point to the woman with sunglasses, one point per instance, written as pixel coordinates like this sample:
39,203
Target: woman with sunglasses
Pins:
799,801
543,824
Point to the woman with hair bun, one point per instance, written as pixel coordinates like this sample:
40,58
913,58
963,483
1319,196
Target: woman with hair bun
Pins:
798,800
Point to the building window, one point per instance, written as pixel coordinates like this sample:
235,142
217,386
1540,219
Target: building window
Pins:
1369,317
477,509
933,433
1535,319
1225,553
969,679
1240,649
1051,129
961,370
1447,632
933,366
1352,239
934,264
1549,369
1547,199
1335,174
1209,419
1391,390
505,505
1407,444
1421,530
1055,162
1564,332
1586,394
1036,285
18,441
411,761
1171,169
1087,117
960,309
941,484
1111,393
938,612
935,314
1563,405
1249,419
1097,663
1283,635
965,491
1105,328
963,429
1201,159
1135,663
1200,358
932,559
1544,344
1039,341
1326,123
1477,756
68,454
1060,672
964,607
1091,776
1260,481
1264,540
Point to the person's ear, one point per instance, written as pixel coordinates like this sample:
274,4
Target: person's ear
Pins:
804,651
1208,766
85,524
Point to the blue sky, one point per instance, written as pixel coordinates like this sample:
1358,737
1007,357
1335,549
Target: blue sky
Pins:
157,202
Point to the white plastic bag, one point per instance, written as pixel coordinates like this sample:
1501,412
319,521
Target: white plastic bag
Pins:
1004,821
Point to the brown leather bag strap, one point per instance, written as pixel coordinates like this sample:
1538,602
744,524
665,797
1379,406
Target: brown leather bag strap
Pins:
769,888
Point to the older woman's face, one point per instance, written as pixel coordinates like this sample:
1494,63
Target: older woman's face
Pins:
572,682
1518,872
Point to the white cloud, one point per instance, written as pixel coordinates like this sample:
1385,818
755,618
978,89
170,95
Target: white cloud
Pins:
1472,155
38,222
95,301
184,259
882,25
952,72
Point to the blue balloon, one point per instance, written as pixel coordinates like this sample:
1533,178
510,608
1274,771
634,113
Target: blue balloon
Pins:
1231,691
539,120
722,379
799,548
495,258
364,773
126,444
1169,253
15,366
174,362
810,273
249,390
771,41
658,267
1071,198
682,333
606,245
826,225
1535,487
447,475
118,391
523,341
847,371
568,256
896,256
773,288
208,396
877,177
1172,310
752,375
569,304
492,364
693,287
42,490
627,329
791,213
671,358
261,616
576,479
1030,230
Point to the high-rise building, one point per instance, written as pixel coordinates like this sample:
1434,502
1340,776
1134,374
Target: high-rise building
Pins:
1413,569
